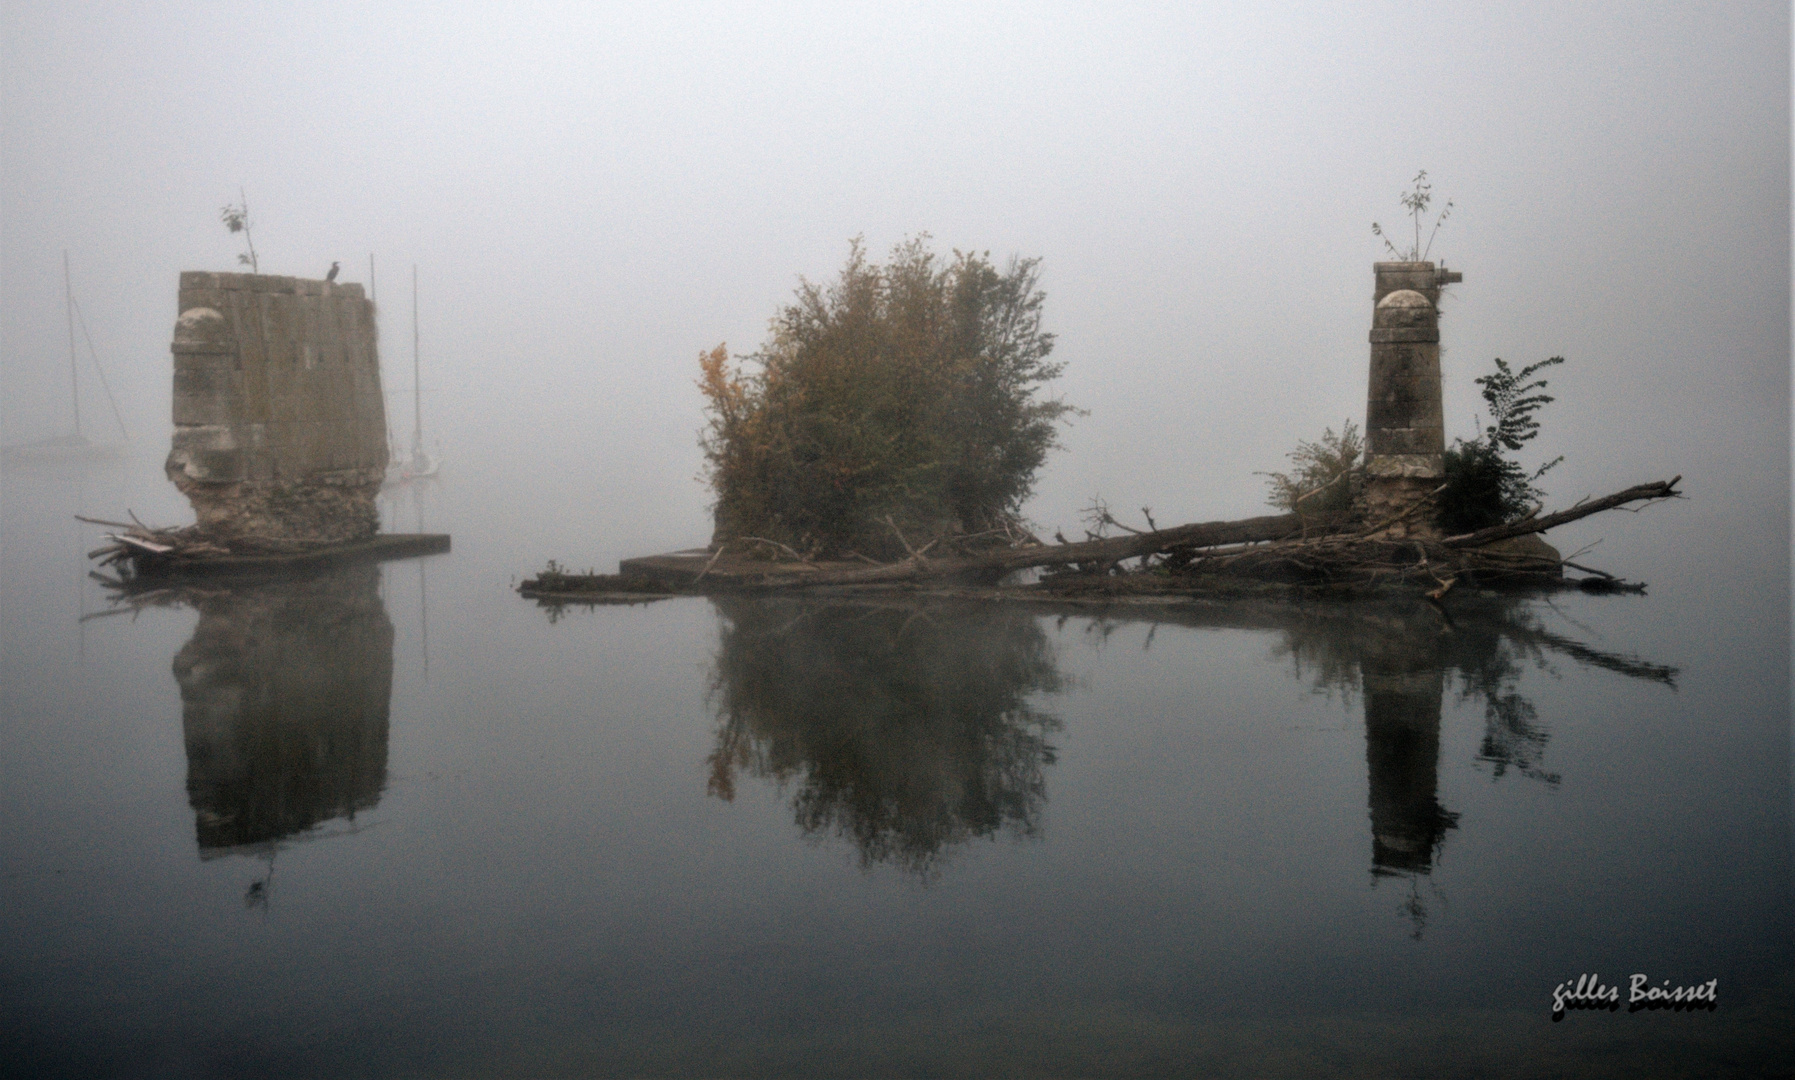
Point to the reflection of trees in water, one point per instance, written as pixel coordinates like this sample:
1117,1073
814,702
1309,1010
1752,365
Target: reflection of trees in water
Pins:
1490,671
906,731
284,696
910,731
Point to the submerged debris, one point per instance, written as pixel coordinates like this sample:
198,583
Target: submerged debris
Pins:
556,585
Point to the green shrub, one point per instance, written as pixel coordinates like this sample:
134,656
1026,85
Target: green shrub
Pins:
1326,478
1484,487
907,392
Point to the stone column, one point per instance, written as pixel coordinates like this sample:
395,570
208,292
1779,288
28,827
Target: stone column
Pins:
1405,431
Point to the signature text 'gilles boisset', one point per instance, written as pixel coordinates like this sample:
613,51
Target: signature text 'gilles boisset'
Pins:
1589,993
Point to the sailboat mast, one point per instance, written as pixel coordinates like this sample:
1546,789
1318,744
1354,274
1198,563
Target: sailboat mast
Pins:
417,409
68,296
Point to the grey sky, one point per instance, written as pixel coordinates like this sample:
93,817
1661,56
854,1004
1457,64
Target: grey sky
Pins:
594,194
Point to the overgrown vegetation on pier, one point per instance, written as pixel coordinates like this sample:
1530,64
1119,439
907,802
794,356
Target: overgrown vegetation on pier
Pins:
1484,485
889,430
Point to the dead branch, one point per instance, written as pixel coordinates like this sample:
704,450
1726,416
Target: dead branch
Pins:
789,550
1590,570
1424,501
914,554
1316,490
138,542
102,521
1106,518
1103,552
707,566
1660,490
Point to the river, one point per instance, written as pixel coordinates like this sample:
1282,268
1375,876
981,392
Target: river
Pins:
397,821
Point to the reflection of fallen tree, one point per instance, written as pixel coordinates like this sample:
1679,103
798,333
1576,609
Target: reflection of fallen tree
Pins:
1482,648
1287,548
1630,666
1328,640
1403,657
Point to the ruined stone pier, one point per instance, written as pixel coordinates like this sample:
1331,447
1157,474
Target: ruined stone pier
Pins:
1405,432
280,427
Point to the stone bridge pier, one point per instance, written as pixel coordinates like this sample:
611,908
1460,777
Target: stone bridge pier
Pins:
1405,432
279,423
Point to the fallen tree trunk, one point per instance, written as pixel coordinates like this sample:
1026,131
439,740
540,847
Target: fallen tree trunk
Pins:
1103,552
1277,539
1276,548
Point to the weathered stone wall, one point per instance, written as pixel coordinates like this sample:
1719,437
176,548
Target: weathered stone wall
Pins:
1405,433
280,427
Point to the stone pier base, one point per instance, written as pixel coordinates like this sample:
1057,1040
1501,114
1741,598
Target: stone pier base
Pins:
1390,497
334,508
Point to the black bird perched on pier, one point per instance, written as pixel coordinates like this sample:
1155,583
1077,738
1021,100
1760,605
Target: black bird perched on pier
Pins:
332,276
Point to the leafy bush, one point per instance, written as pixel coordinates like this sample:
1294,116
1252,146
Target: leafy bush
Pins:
905,392
1326,478
1483,486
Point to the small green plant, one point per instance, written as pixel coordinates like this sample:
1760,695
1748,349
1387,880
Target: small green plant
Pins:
1484,487
236,219
1416,201
1325,477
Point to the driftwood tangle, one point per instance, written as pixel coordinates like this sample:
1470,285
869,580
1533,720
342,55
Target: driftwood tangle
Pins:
1285,548
142,553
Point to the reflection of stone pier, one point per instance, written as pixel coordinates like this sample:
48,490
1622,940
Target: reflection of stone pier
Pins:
284,694
1402,756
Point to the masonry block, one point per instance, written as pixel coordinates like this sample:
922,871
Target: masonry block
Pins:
1405,432
280,427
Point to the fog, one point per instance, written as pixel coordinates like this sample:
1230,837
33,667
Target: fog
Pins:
594,194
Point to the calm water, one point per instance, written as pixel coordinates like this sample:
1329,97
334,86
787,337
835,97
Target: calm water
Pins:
399,822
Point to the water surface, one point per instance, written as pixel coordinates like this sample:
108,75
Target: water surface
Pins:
397,821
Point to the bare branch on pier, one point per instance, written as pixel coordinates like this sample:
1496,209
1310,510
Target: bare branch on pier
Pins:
1641,492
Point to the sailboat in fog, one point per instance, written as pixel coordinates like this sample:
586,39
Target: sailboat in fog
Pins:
73,446
418,464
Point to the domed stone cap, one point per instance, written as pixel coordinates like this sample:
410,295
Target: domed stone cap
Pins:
201,325
1404,307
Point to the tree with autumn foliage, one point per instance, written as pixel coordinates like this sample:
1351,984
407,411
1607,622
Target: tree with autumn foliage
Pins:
899,404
